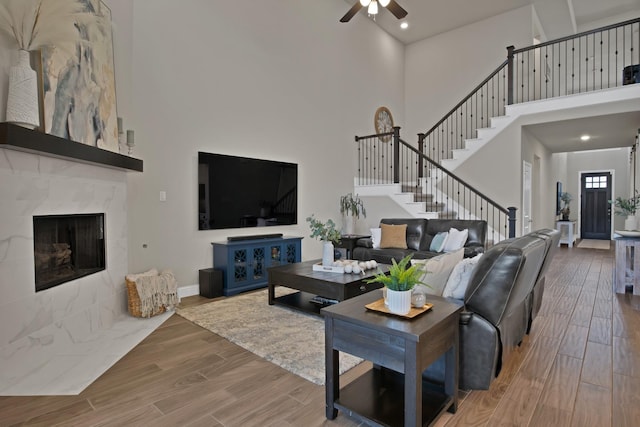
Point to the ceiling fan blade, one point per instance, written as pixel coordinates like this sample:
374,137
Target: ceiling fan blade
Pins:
396,9
354,9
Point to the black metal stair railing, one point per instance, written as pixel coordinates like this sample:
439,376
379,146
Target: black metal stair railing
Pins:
387,159
584,62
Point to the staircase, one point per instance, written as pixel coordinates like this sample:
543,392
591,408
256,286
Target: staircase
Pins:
420,178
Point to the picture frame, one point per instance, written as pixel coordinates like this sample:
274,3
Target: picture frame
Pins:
78,90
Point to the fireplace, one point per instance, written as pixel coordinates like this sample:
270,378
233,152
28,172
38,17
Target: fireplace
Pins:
67,247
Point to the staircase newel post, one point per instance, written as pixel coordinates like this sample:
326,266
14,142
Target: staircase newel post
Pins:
510,71
421,137
396,154
512,221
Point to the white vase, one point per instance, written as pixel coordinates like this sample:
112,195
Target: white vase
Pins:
349,224
22,101
630,223
327,254
399,302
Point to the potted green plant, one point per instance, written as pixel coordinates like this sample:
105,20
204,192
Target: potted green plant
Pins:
351,207
566,199
327,232
627,207
399,283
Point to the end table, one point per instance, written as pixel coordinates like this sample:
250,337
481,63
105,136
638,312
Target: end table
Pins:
348,242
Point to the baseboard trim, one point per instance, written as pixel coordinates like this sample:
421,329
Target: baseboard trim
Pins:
188,291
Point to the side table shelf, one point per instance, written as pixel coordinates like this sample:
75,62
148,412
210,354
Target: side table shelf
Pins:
568,231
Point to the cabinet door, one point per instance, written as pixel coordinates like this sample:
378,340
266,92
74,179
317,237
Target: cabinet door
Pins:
240,272
258,264
292,252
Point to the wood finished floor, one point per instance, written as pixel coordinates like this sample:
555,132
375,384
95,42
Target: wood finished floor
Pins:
580,366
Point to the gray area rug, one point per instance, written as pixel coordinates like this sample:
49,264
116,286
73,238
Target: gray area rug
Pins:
288,338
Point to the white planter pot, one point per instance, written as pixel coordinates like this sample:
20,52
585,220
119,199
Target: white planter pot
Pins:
399,302
22,100
630,223
349,224
327,254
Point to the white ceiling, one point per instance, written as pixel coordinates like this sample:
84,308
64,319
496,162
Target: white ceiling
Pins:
607,131
558,18
427,18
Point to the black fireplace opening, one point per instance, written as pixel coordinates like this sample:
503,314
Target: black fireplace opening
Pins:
67,247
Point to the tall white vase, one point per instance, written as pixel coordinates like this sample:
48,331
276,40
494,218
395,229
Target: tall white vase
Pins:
22,101
349,224
327,253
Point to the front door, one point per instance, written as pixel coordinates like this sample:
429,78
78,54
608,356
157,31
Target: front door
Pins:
595,218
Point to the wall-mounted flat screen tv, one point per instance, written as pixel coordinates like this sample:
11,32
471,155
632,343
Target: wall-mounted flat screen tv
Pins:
238,192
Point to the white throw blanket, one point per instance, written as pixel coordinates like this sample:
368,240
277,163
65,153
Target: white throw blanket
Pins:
156,291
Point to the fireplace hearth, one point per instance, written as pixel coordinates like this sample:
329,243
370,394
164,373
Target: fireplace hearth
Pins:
67,247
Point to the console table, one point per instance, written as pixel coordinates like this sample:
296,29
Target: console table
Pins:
244,263
348,242
627,267
568,232
393,393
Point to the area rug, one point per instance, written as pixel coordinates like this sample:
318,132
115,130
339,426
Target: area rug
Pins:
288,338
594,244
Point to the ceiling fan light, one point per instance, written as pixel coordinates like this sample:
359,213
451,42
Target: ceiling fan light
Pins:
373,8
384,3
365,3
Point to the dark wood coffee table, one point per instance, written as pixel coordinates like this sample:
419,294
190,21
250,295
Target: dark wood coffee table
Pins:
310,283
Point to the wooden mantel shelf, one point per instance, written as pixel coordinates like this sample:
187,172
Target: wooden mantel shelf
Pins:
18,138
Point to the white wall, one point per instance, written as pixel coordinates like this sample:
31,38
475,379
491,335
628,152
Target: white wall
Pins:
274,80
543,206
441,70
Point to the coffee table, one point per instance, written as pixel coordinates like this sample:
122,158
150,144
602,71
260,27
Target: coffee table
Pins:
333,287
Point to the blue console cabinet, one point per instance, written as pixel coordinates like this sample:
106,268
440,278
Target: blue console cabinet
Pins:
244,263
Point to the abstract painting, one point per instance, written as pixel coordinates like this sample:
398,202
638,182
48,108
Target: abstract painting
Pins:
79,90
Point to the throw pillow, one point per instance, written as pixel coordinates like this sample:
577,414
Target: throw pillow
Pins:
456,239
376,234
393,236
458,281
437,271
438,241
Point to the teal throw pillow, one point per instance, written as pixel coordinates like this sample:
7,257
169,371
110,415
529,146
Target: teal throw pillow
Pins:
438,242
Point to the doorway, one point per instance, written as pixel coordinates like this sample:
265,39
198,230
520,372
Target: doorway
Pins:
595,217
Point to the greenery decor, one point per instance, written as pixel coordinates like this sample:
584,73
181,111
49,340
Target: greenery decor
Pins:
324,230
352,205
626,207
566,199
402,276
35,24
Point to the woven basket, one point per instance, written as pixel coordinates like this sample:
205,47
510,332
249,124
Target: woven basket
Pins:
134,301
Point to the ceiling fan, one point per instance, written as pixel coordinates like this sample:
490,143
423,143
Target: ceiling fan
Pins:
372,8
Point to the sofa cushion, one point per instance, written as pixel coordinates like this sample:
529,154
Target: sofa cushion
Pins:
456,239
437,271
459,278
376,234
393,236
417,238
439,241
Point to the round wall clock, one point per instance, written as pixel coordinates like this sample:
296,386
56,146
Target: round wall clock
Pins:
383,122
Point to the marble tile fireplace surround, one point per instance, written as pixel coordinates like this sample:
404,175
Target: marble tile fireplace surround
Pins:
59,340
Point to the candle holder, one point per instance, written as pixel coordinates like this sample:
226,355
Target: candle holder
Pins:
121,142
130,142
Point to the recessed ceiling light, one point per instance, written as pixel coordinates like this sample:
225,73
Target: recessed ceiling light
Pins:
404,25
585,138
